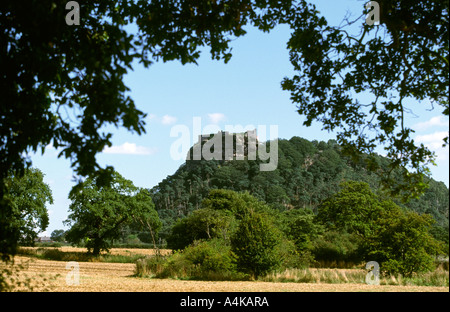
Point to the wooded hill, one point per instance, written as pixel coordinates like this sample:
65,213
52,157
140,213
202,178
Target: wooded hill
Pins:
308,172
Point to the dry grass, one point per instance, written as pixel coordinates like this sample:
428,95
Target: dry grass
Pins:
439,277
312,275
116,277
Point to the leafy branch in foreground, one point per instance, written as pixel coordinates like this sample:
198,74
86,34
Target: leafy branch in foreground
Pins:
363,85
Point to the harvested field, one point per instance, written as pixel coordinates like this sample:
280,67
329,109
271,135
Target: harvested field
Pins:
49,275
113,251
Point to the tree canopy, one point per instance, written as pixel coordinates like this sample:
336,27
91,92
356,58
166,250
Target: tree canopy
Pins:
400,64
321,207
399,240
29,196
97,213
352,226
62,84
308,173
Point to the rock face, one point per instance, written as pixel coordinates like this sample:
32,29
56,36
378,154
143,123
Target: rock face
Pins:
225,146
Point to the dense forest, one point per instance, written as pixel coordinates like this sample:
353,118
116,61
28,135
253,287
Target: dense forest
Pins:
308,173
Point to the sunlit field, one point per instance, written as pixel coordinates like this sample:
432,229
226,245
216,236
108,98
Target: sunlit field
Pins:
31,272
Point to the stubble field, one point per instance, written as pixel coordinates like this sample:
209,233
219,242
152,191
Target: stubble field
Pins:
49,275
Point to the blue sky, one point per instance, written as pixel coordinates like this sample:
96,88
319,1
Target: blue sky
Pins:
246,91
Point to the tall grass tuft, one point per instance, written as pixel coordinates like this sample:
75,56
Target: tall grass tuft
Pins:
437,278
312,275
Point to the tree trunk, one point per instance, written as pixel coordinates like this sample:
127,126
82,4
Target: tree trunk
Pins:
96,250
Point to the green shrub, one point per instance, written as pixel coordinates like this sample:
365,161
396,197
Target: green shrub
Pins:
213,256
150,266
254,244
290,257
202,260
337,249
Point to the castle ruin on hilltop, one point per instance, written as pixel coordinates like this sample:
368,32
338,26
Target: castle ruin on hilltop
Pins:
224,145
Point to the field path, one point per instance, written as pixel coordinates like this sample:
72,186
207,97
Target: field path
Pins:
118,277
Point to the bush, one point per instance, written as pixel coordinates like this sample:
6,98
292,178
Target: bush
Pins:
203,260
150,266
254,244
203,223
404,245
337,249
212,256
290,257
132,239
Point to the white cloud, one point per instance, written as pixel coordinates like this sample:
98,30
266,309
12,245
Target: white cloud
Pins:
436,138
168,120
434,142
437,121
129,149
215,118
